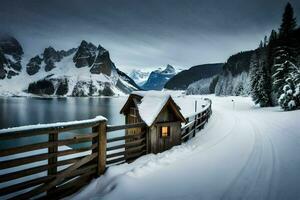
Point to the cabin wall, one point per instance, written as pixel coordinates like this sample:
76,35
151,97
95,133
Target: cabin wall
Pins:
158,144
132,119
152,140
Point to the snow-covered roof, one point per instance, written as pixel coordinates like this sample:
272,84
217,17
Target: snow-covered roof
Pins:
152,93
185,103
150,107
151,104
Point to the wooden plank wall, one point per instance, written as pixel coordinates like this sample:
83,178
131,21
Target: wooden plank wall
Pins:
44,169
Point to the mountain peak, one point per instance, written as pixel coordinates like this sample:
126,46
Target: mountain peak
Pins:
87,45
85,54
139,76
100,48
10,57
11,46
51,56
169,69
158,78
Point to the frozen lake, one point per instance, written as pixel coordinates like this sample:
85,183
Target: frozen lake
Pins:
19,111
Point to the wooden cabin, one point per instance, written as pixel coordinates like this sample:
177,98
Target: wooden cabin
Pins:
161,115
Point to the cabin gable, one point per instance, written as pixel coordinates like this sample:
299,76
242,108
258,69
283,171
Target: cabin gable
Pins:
169,113
131,102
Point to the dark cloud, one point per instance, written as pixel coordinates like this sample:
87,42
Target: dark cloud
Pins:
144,33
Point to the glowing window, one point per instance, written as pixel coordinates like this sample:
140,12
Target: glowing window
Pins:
165,131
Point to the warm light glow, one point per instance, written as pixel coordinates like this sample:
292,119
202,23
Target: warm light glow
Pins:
164,131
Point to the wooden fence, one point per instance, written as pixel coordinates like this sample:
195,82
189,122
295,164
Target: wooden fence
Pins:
46,170
195,123
125,148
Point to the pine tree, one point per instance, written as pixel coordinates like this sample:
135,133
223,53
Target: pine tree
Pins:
270,54
273,36
260,78
283,66
265,41
288,21
281,73
290,97
254,71
264,86
284,55
261,45
286,100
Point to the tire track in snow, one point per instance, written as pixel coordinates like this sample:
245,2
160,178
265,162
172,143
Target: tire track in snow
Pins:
256,179
221,139
273,184
241,184
275,160
266,178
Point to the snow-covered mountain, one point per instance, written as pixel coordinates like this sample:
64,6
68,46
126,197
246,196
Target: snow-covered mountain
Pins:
83,71
140,77
203,86
234,78
158,78
231,78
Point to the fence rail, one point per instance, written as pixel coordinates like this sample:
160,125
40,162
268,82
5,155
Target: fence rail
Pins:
44,169
196,123
125,148
47,169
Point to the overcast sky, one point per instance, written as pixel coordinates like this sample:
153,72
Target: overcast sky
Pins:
145,33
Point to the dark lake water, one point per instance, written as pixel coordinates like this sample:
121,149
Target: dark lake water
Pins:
16,111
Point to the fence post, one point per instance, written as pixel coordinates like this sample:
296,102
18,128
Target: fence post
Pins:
200,120
101,141
195,125
53,137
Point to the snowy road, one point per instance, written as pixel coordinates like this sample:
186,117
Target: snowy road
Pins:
244,152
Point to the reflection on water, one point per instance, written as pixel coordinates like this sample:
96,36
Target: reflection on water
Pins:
29,111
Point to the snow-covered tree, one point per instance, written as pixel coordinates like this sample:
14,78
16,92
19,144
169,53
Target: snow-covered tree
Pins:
284,54
270,54
254,78
290,95
264,87
286,99
260,78
282,68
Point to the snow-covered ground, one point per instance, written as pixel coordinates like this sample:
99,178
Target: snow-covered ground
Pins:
244,152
